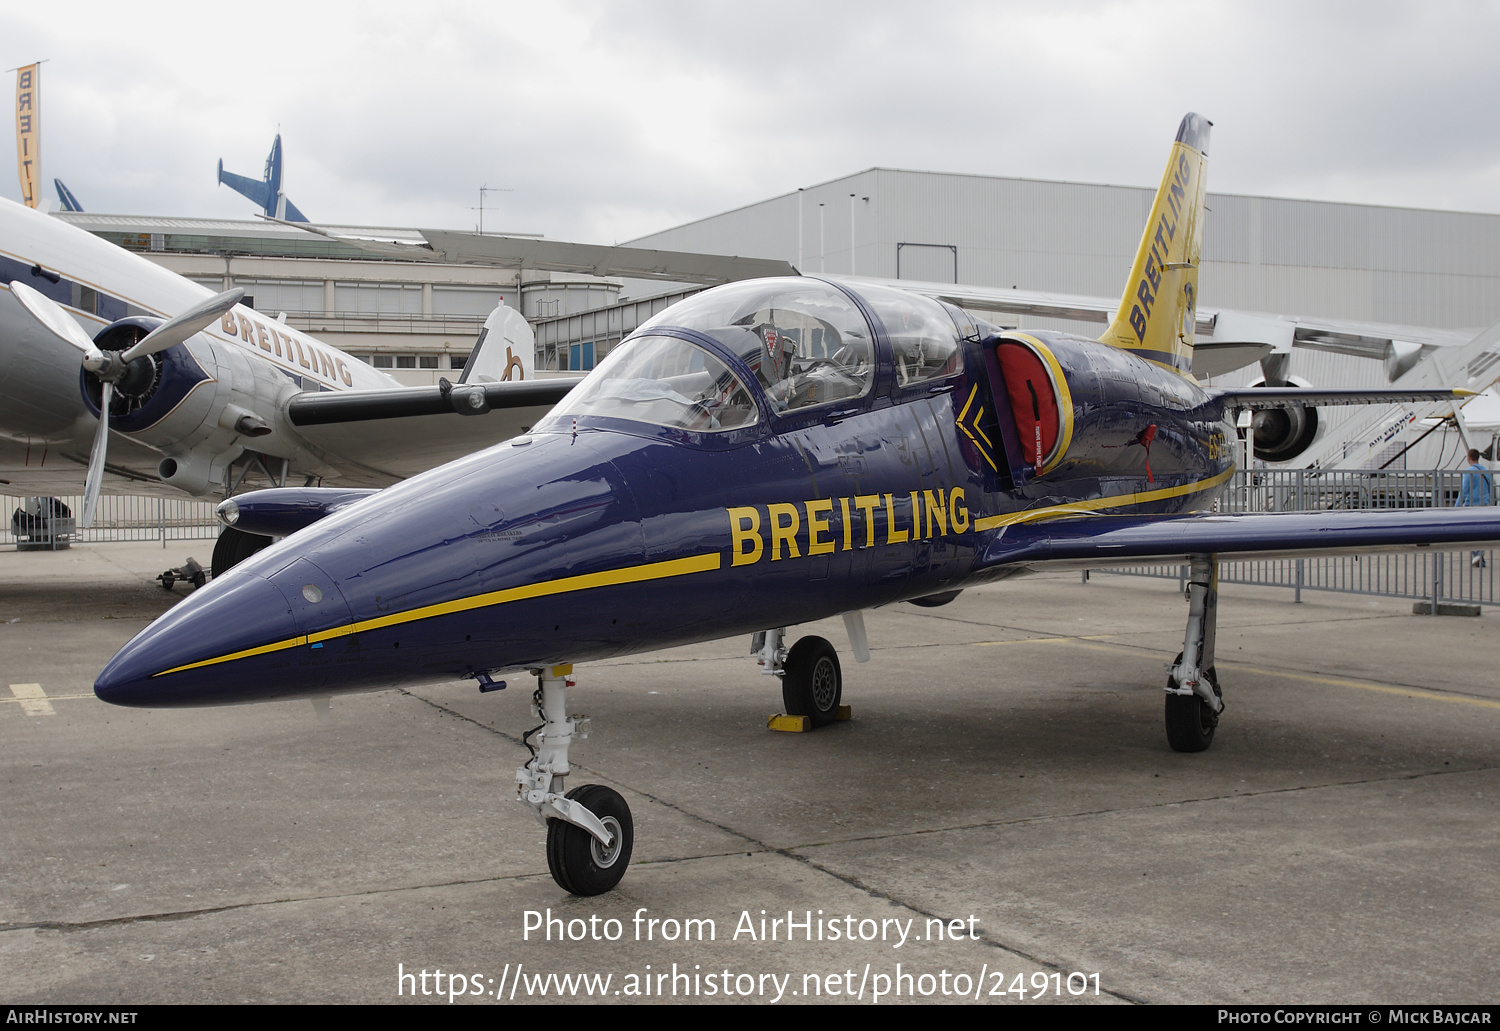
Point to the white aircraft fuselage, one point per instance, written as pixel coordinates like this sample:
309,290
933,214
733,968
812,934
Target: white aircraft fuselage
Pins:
184,423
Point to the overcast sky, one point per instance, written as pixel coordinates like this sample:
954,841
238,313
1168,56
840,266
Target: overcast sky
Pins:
610,120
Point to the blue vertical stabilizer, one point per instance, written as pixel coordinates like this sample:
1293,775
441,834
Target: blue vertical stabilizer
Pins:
266,192
65,195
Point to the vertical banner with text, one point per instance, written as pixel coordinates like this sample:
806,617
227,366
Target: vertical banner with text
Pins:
29,133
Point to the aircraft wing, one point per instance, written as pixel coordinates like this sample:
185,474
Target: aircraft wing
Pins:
324,408
1259,398
1095,541
1360,339
522,252
377,436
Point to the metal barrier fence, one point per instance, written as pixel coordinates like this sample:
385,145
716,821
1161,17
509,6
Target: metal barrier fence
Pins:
1446,575
124,517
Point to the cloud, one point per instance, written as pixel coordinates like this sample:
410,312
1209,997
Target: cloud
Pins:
611,120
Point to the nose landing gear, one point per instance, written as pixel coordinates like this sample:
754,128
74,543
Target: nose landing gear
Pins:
589,830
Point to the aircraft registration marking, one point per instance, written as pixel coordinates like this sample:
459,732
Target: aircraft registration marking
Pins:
585,581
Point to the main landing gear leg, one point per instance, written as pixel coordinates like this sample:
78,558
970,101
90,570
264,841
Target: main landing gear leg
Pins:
812,682
589,830
1194,700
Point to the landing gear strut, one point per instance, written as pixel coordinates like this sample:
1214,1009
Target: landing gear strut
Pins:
812,681
1194,700
589,830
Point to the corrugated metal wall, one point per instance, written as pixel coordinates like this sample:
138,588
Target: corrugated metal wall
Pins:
1426,268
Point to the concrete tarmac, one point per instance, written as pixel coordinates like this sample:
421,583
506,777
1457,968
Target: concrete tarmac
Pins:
1001,821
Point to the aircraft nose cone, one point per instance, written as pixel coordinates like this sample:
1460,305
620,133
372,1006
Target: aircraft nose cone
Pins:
205,647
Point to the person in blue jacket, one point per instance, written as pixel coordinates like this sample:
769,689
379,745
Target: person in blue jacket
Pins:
1476,488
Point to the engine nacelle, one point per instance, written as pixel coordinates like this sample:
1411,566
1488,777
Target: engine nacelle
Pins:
152,387
1281,434
1080,410
199,403
194,472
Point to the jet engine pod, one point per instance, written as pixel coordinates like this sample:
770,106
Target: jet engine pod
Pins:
1281,434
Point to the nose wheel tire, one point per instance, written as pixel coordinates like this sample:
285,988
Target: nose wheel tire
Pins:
813,683
1190,721
578,862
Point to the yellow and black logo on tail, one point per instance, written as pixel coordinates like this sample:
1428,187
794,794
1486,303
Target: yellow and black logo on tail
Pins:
1160,305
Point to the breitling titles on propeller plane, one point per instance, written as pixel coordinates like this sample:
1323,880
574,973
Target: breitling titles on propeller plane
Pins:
760,455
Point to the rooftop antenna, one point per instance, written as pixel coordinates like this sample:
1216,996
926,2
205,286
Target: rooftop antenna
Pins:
482,191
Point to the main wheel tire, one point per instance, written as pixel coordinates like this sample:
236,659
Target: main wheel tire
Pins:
813,683
1190,721
932,601
581,865
233,547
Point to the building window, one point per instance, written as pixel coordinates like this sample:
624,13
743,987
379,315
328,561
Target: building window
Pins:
406,361
427,361
581,356
382,361
462,300
457,361
288,295
376,298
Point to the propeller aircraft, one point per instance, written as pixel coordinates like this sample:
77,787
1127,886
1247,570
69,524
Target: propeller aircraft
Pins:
763,454
191,390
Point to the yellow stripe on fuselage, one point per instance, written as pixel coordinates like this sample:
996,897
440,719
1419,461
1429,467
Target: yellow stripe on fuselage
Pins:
609,578
1093,505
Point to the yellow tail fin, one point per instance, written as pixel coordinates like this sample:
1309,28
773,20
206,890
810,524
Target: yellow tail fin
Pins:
1160,305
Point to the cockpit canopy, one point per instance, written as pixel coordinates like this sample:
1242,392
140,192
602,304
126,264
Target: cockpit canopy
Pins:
666,381
805,342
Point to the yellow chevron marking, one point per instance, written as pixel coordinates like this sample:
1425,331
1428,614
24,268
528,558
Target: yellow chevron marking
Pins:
985,448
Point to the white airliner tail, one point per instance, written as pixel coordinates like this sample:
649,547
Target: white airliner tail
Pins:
505,350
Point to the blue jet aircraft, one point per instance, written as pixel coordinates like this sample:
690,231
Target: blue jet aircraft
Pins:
763,454
265,191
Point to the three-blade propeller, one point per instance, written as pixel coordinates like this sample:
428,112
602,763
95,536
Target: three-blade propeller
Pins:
111,366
